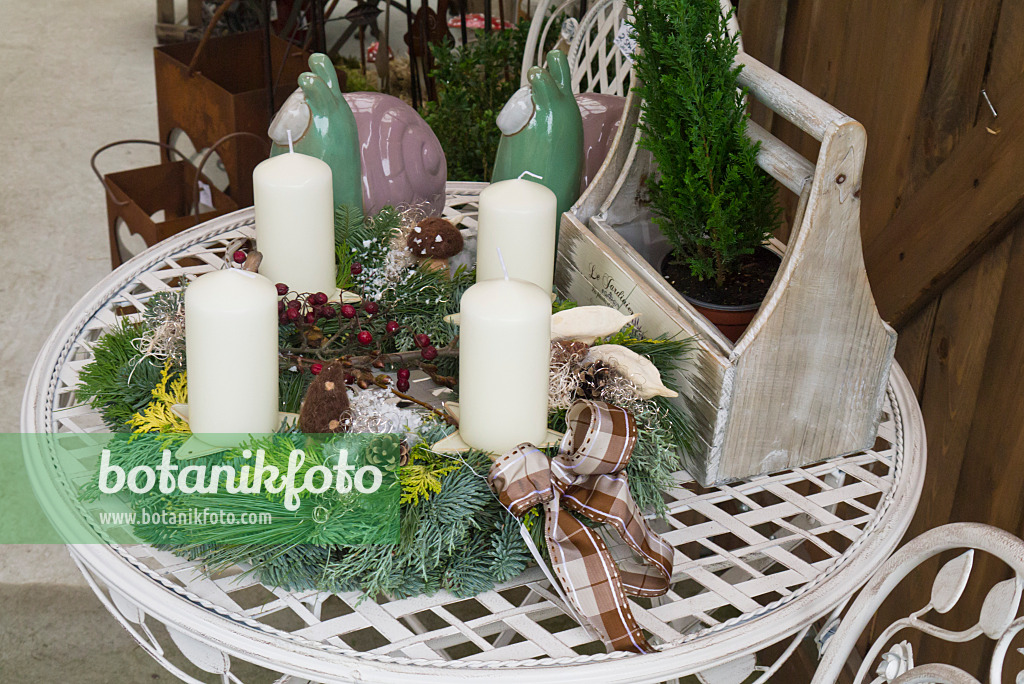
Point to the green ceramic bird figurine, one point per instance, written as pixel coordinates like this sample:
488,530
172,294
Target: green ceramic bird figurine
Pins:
321,124
542,133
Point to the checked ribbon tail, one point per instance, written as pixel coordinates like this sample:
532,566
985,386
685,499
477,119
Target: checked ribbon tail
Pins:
588,477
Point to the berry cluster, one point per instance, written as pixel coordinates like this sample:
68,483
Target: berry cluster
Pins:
303,309
307,312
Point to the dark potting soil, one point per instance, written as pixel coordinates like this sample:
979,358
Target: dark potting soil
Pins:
747,285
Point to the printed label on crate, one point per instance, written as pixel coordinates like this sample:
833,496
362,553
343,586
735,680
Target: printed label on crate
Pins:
588,272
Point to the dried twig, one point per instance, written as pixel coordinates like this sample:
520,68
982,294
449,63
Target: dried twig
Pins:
447,418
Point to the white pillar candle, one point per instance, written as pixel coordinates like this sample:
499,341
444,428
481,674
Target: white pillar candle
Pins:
231,353
519,217
294,206
504,356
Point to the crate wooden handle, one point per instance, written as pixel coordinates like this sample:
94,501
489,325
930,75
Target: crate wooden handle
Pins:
784,97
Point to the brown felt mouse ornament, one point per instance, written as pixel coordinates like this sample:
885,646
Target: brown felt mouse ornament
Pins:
325,407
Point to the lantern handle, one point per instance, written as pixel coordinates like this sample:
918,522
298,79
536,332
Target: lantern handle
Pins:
106,186
213,147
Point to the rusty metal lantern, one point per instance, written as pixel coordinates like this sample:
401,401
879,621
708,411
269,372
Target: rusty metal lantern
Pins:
156,202
218,86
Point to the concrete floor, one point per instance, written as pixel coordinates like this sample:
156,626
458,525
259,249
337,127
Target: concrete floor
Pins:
74,75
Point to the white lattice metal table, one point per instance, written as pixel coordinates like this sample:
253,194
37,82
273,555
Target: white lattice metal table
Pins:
757,562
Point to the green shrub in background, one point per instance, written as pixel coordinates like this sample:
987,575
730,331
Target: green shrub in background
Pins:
711,200
356,81
473,83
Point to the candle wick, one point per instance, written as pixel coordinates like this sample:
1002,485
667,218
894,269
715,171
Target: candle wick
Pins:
290,148
502,260
527,173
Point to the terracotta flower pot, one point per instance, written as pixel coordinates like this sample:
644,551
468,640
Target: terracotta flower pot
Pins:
731,320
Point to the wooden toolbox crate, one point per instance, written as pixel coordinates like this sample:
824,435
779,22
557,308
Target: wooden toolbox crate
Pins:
807,380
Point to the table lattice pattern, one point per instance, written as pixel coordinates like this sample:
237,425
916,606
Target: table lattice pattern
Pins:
756,562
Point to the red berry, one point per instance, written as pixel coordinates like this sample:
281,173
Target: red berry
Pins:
238,256
371,307
364,337
429,352
282,289
294,305
316,368
403,373
310,318
321,298
422,340
349,378
392,326
280,306
356,268
328,311
312,300
402,384
348,311
291,314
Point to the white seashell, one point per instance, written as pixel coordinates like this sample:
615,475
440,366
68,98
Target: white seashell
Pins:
637,369
587,323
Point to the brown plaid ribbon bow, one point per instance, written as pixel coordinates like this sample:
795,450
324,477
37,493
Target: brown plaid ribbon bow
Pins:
588,476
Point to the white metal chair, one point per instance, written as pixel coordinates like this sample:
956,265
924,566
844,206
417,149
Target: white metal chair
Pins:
999,619
597,64
546,14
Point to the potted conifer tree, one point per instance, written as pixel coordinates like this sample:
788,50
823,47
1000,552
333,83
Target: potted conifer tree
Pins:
710,199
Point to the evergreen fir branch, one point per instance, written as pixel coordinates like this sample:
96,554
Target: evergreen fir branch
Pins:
296,567
470,573
286,528
347,221
368,240
422,299
291,387
119,381
509,555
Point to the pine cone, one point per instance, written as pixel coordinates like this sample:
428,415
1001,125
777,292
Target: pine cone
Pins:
593,379
568,351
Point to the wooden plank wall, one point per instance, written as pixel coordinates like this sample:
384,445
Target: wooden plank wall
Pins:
943,203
